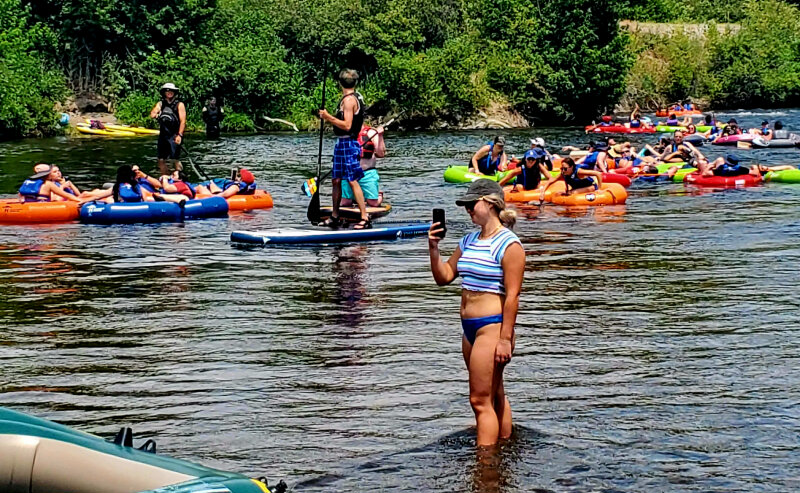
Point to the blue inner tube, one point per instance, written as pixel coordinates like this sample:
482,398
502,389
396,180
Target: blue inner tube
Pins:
152,212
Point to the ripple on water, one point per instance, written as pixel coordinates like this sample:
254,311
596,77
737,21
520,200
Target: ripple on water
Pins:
655,341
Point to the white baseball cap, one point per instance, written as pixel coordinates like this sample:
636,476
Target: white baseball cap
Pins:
538,141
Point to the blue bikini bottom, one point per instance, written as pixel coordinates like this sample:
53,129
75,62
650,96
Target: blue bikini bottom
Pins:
471,326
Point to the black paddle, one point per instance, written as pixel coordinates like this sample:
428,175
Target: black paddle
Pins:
313,212
197,169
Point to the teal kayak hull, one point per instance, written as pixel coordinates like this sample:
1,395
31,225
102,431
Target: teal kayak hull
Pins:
47,456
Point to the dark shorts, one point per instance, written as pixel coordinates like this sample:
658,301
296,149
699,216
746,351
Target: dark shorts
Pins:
167,148
347,160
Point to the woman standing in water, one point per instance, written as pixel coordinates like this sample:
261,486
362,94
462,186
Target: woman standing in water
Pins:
491,262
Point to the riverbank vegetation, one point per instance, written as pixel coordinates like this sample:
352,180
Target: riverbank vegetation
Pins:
434,60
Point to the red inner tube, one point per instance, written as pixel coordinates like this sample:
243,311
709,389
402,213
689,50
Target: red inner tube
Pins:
722,181
617,178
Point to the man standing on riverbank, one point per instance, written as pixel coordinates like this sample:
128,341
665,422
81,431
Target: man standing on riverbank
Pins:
171,115
347,152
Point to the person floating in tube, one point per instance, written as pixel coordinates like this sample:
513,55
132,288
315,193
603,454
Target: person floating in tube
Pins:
47,185
490,158
576,179
171,115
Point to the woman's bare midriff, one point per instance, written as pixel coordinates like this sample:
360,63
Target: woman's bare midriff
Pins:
476,304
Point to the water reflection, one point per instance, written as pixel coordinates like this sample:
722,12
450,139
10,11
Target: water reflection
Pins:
350,265
656,341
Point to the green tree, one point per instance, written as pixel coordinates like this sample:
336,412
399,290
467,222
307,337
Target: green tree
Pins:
29,86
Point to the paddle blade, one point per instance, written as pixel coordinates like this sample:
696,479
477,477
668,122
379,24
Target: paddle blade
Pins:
313,209
309,187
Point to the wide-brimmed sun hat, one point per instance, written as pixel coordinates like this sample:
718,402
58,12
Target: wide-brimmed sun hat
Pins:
169,86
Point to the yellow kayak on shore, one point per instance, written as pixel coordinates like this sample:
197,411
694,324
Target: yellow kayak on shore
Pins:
84,128
127,128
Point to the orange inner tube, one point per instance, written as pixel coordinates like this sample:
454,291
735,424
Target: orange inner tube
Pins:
261,199
609,194
12,211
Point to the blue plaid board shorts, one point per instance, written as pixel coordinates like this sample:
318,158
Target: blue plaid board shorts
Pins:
347,159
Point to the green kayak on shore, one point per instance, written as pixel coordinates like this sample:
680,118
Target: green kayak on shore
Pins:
461,174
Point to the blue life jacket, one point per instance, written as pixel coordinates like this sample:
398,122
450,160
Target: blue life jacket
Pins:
487,166
144,184
635,123
128,193
728,169
529,178
68,189
688,107
765,131
244,188
590,162
574,182
671,122
30,191
658,177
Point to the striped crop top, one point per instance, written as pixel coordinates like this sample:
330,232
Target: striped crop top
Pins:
480,264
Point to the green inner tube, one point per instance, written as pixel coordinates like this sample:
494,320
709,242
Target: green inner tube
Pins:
672,128
784,176
461,174
678,176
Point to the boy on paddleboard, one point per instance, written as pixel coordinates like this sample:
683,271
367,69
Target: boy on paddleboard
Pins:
347,152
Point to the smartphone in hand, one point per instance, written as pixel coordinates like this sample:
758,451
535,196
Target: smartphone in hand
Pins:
233,174
438,217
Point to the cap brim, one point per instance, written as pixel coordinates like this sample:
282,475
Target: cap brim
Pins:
40,175
468,199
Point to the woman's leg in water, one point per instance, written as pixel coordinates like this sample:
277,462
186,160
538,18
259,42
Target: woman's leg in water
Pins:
501,405
482,384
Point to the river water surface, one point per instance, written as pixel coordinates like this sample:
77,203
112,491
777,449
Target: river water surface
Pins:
657,341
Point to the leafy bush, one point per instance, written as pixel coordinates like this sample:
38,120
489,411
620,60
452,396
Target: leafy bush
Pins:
135,108
435,59
760,65
29,85
237,122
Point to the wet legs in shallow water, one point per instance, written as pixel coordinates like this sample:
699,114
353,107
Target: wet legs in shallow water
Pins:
486,390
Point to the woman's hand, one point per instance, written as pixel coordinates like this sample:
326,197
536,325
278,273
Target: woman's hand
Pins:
433,240
178,139
502,352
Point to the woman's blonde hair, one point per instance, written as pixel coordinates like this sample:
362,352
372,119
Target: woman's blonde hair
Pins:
508,217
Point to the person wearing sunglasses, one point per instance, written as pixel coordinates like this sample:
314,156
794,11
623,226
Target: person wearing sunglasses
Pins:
491,262
529,175
577,180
